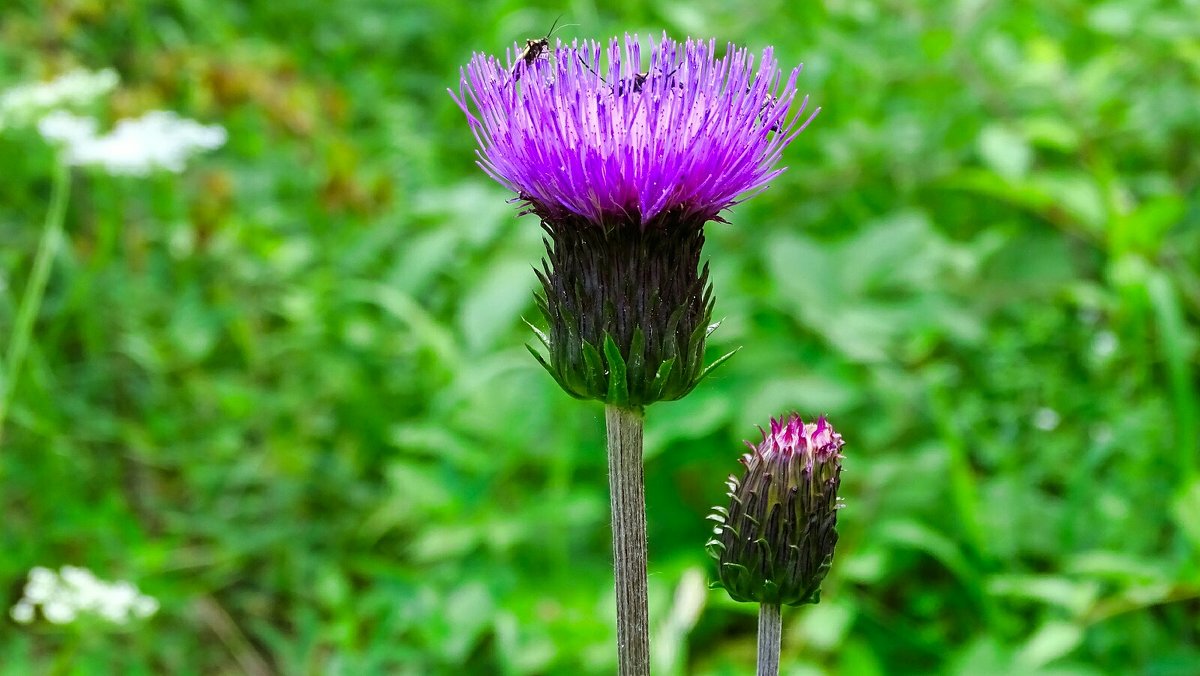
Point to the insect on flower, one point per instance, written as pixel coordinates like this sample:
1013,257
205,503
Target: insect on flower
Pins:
634,83
623,183
570,154
768,107
533,49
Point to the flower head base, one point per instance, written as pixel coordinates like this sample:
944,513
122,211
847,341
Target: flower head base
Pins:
615,145
775,542
628,311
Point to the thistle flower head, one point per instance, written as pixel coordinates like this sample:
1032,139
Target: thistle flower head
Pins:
576,135
624,167
775,542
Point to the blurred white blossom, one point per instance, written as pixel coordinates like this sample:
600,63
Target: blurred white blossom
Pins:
1046,419
74,591
1104,345
63,127
23,104
22,613
135,147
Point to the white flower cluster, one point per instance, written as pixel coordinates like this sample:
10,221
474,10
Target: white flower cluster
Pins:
75,591
135,147
25,103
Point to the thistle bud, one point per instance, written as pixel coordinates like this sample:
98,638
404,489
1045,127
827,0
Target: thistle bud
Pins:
774,544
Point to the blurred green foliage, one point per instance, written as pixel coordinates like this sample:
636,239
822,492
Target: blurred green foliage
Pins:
285,392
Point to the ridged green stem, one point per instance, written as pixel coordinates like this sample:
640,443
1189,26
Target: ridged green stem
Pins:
31,301
627,496
770,632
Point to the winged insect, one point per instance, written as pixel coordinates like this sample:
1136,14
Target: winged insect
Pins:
634,83
534,49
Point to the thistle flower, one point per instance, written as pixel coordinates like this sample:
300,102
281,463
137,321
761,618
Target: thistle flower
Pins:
774,545
624,167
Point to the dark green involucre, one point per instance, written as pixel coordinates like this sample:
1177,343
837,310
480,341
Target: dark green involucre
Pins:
775,542
628,309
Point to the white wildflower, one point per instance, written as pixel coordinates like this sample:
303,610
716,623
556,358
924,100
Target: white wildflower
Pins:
1104,345
117,601
41,585
81,585
75,592
59,612
1046,419
22,613
25,103
77,577
135,147
144,606
67,129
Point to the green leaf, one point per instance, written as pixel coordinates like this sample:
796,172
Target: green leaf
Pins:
1005,151
1053,640
637,362
618,385
1186,510
595,375
695,349
553,373
538,332
713,366
660,380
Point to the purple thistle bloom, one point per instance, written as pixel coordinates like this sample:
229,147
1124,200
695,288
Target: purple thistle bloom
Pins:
693,135
793,440
775,542
649,157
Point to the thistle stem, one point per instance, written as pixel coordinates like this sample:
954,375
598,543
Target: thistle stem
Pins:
628,500
31,301
770,629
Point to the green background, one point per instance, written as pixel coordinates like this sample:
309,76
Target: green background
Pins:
286,392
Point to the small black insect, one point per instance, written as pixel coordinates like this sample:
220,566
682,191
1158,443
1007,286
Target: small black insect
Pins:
631,85
768,107
533,49
634,83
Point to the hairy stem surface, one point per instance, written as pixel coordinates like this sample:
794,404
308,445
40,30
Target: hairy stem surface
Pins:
627,496
770,630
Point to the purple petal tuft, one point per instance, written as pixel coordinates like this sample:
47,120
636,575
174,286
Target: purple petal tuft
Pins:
693,135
